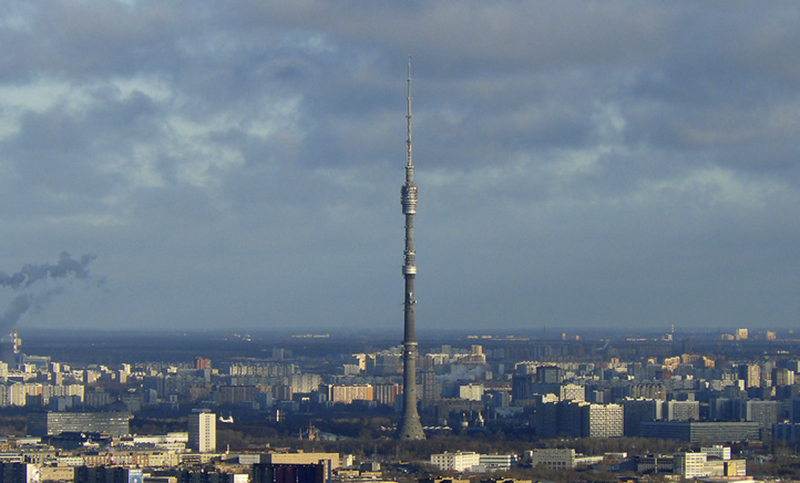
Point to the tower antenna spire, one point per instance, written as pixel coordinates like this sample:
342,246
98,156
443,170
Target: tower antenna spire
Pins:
408,122
410,426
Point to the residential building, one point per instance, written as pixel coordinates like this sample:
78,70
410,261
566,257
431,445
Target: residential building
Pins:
346,394
203,431
19,473
683,411
102,474
471,392
637,410
572,392
290,473
387,393
606,421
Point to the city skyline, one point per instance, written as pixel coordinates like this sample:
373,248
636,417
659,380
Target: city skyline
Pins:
595,165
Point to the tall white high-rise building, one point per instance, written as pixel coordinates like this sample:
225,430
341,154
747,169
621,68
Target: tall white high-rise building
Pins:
203,431
605,421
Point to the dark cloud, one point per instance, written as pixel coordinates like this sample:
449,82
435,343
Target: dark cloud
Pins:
579,163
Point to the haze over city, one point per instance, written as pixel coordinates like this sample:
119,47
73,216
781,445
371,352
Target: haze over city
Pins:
238,164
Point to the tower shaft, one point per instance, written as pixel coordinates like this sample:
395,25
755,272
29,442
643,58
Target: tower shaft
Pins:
410,426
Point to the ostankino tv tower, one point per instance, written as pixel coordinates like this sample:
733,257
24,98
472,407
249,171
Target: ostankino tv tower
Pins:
410,427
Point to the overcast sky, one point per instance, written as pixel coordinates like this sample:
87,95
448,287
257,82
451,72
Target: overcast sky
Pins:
216,164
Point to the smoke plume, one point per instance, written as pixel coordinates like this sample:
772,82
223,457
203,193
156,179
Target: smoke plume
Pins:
31,274
16,308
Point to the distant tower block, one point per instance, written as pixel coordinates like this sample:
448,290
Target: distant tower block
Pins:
410,427
203,431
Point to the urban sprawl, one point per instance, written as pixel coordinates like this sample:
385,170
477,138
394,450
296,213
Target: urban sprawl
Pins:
314,408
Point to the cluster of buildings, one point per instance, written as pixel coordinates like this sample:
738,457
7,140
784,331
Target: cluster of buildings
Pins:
245,468
688,397
569,388
97,447
708,461
171,458
179,458
469,461
575,388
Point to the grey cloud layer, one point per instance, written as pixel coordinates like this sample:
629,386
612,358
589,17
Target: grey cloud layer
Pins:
579,163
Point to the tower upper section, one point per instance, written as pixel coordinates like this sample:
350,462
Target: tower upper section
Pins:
409,190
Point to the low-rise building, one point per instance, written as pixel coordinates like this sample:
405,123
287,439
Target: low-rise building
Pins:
712,431
56,473
497,462
690,465
459,462
330,459
297,473
53,423
560,458
698,465
717,451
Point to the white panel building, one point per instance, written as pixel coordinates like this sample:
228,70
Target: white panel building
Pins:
460,461
203,431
